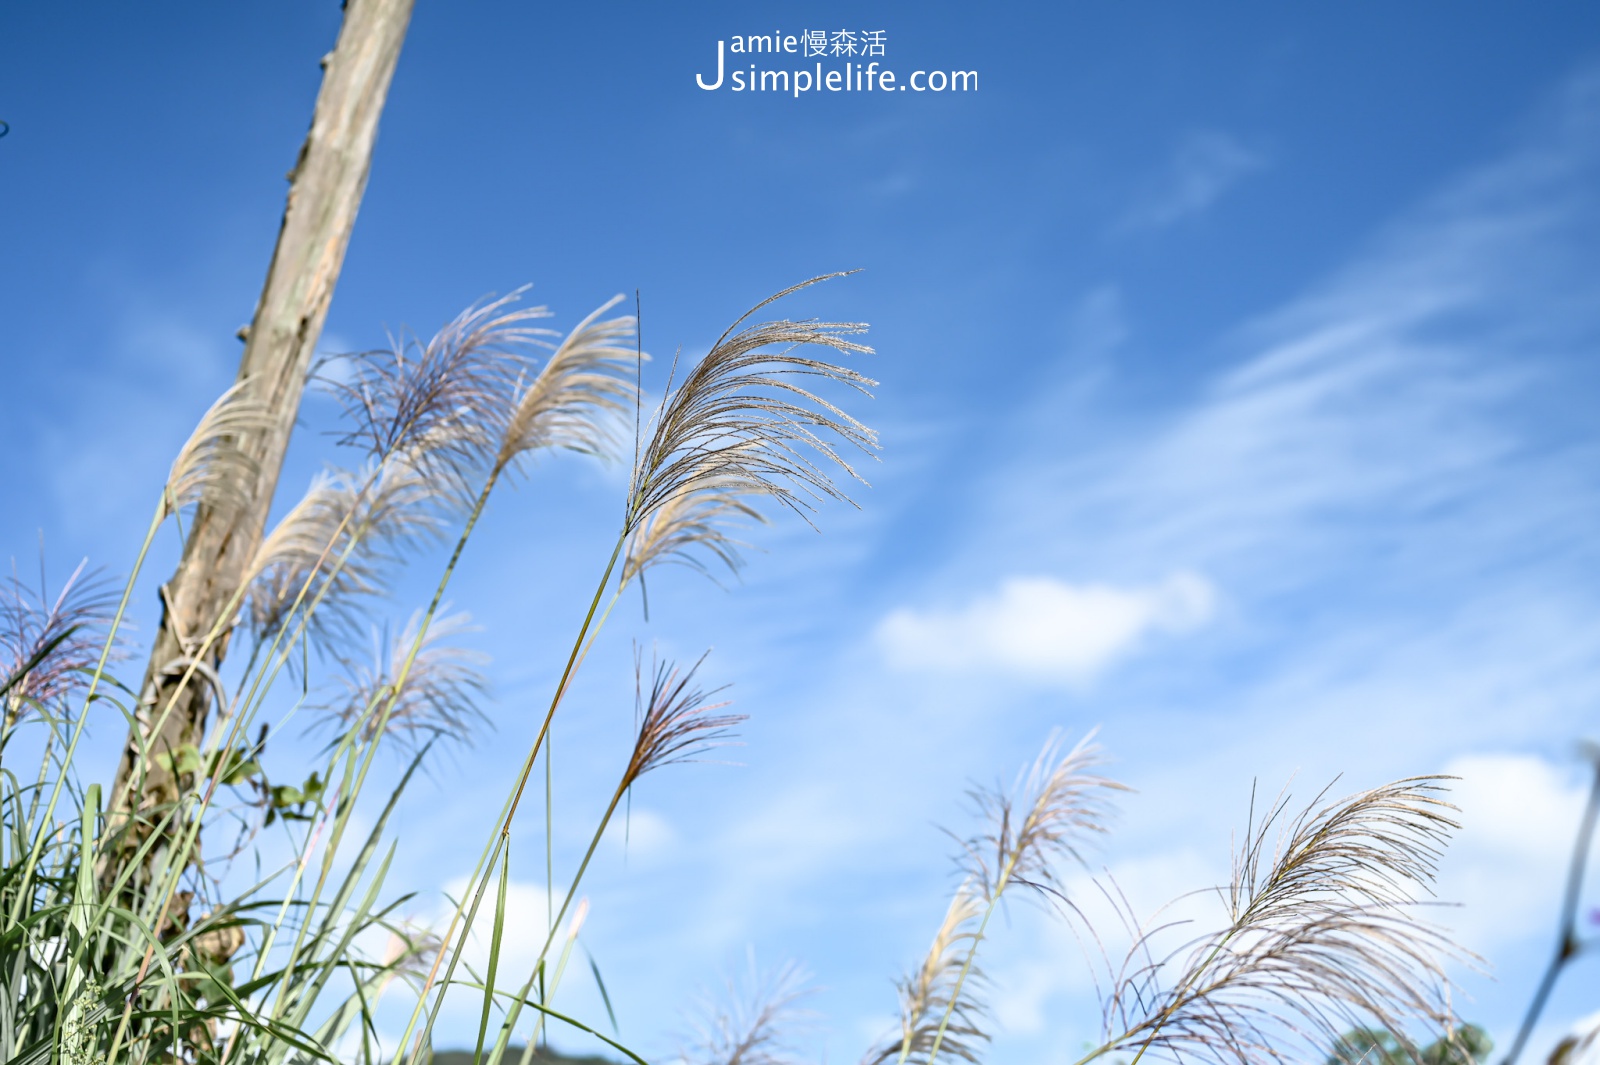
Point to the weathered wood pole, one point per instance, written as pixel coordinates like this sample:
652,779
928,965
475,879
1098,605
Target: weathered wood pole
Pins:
325,189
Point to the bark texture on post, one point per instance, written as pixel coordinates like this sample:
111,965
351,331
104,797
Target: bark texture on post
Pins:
325,191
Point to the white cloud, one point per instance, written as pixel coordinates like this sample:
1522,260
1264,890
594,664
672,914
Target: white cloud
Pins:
1519,815
1205,165
525,928
1043,627
641,834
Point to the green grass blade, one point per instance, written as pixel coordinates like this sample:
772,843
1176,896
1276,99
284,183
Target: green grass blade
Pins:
605,997
494,951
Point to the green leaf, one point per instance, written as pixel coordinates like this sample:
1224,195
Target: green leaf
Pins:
241,772
186,759
287,795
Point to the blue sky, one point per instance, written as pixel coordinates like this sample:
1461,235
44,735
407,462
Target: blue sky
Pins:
1237,374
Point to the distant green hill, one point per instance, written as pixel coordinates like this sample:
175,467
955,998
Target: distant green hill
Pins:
513,1055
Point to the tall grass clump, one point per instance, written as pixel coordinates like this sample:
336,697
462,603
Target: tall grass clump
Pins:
126,935
1323,932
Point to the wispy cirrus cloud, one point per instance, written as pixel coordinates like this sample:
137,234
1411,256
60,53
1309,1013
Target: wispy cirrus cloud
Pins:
1205,165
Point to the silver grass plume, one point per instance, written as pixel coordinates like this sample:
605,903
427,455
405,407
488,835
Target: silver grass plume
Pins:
363,519
699,519
447,401
743,425
1028,832
565,404
754,1021
676,722
406,952
1323,936
945,984
211,465
438,697
1056,803
48,646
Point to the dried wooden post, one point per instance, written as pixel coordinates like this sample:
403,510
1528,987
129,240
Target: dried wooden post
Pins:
325,191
